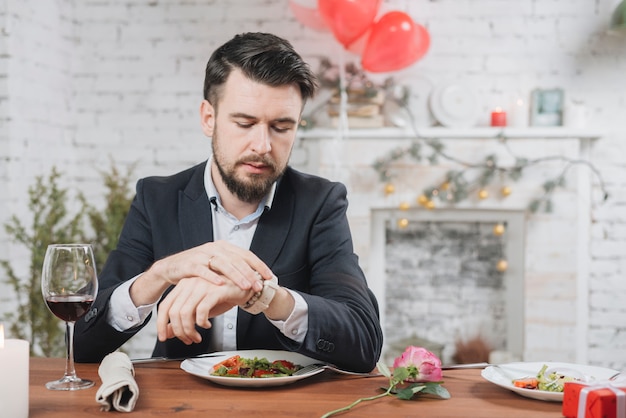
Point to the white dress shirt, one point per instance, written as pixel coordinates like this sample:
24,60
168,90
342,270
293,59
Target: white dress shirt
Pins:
123,314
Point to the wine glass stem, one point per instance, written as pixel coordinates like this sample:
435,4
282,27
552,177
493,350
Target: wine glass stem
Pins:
70,371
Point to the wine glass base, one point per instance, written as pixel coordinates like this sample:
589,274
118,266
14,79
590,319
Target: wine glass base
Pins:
69,383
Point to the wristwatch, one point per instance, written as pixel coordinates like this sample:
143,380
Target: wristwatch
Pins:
260,301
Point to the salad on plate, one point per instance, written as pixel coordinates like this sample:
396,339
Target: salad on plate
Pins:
543,380
237,366
549,379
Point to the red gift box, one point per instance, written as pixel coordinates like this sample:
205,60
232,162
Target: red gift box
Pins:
597,400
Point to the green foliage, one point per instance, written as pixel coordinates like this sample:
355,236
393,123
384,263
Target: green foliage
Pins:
426,388
51,223
107,223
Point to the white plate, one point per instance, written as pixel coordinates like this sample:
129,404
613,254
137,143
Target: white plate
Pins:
201,367
505,373
454,106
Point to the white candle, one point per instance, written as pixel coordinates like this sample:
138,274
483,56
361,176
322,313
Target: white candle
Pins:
519,114
14,358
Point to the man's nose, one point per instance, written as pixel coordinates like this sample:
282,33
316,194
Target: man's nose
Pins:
261,144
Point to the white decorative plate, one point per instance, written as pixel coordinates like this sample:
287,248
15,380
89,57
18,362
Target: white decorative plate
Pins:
454,105
201,367
503,374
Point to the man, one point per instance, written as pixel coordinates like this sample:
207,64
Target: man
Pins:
242,251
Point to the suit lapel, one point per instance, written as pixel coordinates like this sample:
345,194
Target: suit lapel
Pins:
274,225
194,211
270,236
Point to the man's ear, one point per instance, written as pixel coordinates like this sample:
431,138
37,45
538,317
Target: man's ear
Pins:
207,118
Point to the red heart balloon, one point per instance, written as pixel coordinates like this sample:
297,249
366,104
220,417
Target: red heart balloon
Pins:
395,42
348,19
308,16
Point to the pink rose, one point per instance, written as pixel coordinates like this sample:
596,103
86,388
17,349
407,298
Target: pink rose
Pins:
423,365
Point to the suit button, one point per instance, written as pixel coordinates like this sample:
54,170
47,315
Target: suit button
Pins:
325,345
91,314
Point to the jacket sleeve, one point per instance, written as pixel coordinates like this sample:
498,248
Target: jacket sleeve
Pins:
94,338
344,325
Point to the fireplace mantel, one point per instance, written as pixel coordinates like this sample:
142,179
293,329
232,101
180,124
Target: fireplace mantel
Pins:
543,133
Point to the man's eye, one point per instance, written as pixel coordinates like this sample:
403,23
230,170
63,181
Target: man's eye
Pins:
282,129
244,125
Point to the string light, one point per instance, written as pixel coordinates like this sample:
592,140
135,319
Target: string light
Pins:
403,223
498,230
457,185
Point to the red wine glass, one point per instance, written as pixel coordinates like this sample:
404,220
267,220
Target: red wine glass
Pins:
69,285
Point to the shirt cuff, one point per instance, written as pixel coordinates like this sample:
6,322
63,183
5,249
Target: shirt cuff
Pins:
123,314
296,325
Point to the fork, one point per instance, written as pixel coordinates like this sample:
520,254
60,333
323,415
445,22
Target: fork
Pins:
317,366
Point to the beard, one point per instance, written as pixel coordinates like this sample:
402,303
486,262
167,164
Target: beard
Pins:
253,187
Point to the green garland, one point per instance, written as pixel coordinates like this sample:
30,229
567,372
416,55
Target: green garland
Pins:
459,184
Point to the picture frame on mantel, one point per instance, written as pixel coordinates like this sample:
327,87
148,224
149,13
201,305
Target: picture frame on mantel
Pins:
547,107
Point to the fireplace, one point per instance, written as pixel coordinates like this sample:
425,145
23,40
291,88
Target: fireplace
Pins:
437,280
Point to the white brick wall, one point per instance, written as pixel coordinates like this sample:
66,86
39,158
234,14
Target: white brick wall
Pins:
81,81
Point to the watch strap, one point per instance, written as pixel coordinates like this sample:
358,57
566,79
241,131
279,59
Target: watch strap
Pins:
260,301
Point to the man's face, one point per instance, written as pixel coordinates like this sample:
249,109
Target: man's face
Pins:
253,133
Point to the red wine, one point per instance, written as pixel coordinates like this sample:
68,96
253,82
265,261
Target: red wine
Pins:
69,307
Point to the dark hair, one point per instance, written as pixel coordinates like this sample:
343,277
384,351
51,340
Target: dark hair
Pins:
262,57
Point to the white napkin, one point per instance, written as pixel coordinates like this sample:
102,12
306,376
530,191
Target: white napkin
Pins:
119,389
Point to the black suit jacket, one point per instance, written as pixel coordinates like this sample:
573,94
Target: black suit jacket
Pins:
304,238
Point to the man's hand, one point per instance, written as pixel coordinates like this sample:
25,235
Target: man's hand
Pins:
215,262
192,302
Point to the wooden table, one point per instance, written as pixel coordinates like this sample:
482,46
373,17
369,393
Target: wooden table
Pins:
166,390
